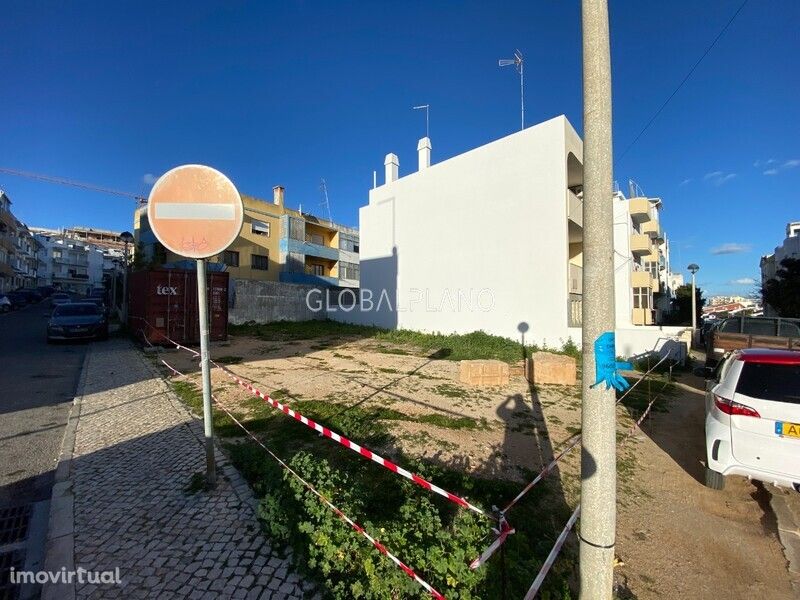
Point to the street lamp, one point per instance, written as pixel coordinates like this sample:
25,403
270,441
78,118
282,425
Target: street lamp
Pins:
126,238
693,268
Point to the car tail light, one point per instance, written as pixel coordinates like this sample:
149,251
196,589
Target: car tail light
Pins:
729,407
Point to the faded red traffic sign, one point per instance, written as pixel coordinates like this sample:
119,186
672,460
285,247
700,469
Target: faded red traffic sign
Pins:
195,211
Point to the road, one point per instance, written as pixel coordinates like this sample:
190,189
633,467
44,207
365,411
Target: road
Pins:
37,385
679,539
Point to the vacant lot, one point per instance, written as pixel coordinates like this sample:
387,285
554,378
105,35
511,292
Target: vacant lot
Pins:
398,393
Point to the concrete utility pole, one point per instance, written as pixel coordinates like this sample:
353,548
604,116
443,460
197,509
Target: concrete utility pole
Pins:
693,268
208,415
598,420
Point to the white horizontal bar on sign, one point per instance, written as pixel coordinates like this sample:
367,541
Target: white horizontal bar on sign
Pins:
195,211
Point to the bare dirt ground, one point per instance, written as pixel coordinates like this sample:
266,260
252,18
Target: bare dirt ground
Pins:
676,538
680,539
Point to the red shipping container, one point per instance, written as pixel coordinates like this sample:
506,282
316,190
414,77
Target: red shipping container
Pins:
164,301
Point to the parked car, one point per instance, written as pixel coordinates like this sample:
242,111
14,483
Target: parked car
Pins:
60,298
77,321
99,302
5,304
753,418
735,333
45,290
32,295
17,299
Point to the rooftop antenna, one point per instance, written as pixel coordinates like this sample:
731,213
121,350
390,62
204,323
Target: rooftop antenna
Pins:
517,61
427,108
326,206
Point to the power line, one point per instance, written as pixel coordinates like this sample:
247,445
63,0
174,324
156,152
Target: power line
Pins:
71,183
685,79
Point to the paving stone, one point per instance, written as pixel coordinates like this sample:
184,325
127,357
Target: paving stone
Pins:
136,450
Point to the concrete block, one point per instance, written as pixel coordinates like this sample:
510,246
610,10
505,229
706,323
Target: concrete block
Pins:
547,368
483,372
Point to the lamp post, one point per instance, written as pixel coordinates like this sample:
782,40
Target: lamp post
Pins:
693,268
126,238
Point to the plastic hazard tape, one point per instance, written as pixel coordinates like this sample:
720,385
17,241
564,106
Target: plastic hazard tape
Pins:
355,447
551,558
502,534
376,543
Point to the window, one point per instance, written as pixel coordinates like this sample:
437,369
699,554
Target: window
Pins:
651,267
56,253
641,297
230,258
317,239
260,228
348,270
348,242
260,262
776,382
318,270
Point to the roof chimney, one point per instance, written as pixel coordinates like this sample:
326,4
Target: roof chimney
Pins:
392,164
277,195
424,152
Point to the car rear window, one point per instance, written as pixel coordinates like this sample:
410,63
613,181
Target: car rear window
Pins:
765,381
760,326
75,310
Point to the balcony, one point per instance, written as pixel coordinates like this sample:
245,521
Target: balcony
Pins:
642,316
6,244
641,244
574,208
575,279
309,249
640,209
575,310
9,220
307,279
653,229
641,279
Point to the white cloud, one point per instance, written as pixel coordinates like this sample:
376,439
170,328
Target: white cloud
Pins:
149,179
685,182
776,166
731,248
718,177
743,281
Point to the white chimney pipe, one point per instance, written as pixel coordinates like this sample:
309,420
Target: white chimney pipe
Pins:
277,195
392,164
424,152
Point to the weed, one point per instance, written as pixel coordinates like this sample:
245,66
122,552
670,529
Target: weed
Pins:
229,360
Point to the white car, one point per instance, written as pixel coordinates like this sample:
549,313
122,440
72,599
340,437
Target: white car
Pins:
753,418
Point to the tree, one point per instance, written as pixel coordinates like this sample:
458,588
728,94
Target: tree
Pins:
782,292
681,313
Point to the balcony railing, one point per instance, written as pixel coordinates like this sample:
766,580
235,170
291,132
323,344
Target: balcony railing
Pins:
575,310
641,244
574,208
575,279
640,209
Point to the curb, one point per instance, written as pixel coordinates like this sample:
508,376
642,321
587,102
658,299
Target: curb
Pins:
60,544
788,520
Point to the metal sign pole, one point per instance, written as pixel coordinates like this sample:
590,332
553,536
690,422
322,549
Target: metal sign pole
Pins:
208,422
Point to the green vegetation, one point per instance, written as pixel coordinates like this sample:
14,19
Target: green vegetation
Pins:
475,345
424,530
197,483
229,360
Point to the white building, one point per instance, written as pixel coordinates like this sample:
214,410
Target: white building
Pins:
492,240
770,263
69,264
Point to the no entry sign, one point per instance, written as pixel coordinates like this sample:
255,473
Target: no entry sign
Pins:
195,211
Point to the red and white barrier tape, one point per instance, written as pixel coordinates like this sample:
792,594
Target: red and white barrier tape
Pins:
380,547
353,446
503,535
551,558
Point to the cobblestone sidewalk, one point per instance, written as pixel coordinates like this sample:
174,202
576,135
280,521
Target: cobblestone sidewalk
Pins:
135,450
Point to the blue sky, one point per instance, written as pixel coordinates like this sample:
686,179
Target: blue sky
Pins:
292,92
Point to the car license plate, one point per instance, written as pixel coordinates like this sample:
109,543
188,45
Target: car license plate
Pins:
79,329
787,429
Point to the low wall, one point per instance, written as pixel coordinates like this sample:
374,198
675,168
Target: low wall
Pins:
643,340
268,301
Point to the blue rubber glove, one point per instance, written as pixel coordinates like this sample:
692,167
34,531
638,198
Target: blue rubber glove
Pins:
606,364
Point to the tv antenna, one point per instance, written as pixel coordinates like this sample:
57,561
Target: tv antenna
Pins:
324,203
517,61
427,108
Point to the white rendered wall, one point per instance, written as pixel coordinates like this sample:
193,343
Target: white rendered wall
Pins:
488,227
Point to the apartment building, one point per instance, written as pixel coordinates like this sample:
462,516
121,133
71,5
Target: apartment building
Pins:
69,264
19,264
492,240
276,244
770,263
